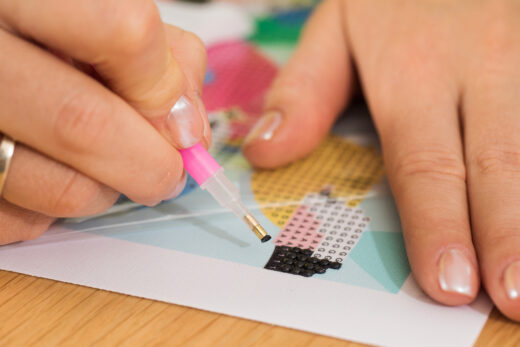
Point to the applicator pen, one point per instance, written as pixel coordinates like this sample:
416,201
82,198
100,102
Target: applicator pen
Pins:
210,176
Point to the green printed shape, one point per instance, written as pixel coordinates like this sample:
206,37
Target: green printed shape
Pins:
270,30
383,256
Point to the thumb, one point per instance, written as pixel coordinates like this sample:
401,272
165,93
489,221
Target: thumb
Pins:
188,122
307,95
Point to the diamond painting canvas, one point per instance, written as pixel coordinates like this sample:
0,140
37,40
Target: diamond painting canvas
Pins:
336,264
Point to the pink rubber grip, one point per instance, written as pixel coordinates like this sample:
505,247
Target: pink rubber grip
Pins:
199,163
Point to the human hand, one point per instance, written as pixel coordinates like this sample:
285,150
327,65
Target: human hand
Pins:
442,82
87,88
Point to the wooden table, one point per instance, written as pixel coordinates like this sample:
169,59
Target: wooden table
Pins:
36,311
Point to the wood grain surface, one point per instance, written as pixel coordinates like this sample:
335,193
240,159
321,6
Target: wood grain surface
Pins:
36,311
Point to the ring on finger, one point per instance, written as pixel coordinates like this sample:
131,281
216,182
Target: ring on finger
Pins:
6,153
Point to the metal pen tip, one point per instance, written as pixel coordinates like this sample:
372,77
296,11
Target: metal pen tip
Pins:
256,228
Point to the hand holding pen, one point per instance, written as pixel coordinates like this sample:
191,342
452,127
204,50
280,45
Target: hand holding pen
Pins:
86,109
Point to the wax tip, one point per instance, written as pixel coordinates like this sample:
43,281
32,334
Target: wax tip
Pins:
265,238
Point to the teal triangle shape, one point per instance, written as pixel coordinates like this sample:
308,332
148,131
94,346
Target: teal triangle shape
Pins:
383,256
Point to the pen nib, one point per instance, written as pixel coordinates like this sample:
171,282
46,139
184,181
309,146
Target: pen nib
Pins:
256,228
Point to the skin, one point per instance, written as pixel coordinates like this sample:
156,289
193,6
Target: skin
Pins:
82,80
86,90
442,82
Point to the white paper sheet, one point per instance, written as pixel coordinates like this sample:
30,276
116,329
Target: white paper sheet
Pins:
323,307
205,258
191,252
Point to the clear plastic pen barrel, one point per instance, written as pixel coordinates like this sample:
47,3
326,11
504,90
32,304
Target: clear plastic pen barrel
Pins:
227,195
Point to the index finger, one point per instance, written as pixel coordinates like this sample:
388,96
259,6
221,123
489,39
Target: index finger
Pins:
125,41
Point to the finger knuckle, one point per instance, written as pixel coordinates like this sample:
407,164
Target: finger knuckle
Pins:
289,88
438,225
79,122
496,161
7,236
438,164
18,224
161,94
196,44
198,51
293,83
34,227
501,234
498,36
32,233
162,179
410,53
135,27
79,196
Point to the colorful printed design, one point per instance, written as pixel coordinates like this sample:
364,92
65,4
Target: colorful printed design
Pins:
283,27
301,230
325,225
220,131
341,226
239,75
348,169
312,206
227,131
298,261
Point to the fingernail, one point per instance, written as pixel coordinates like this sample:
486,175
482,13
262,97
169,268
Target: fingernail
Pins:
183,122
179,188
455,272
512,280
265,128
202,111
203,114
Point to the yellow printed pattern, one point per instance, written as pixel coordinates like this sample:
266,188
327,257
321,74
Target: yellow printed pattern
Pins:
346,169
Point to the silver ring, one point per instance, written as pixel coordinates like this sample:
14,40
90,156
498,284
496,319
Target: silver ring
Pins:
6,153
